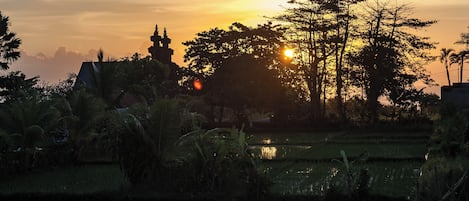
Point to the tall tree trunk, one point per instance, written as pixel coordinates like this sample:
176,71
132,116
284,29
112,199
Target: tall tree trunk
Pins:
462,66
447,73
372,105
315,94
339,60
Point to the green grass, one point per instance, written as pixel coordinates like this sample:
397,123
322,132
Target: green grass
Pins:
76,180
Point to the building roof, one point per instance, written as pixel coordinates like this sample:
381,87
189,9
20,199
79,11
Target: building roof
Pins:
86,76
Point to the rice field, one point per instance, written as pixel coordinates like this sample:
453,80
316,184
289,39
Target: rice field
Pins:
74,179
309,164
297,163
397,179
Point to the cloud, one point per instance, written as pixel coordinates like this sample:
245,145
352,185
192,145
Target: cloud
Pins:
54,68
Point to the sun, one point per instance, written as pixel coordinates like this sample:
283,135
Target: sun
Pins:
288,53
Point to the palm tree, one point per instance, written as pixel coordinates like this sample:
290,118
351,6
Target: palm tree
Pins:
9,44
445,58
459,57
25,124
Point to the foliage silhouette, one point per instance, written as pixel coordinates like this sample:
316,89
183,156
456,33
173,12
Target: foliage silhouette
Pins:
392,57
242,83
15,86
445,59
9,44
240,51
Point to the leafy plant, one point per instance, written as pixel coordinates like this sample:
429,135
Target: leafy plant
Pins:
81,115
443,176
153,153
356,182
222,163
443,179
9,43
449,133
144,138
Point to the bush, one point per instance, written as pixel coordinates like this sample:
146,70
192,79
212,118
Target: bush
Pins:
153,155
221,162
442,178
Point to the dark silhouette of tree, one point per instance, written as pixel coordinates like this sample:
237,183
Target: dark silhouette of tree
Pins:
392,57
235,48
147,78
62,89
15,86
28,122
464,40
313,29
445,59
9,44
461,56
210,49
429,104
344,18
244,82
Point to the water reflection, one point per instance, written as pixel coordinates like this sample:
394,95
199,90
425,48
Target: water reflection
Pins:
268,152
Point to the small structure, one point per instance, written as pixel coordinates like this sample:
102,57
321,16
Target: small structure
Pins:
458,95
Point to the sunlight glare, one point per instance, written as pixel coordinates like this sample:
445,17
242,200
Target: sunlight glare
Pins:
288,53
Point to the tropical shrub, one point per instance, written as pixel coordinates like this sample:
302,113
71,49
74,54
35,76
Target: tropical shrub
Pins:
153,153
145,135
449,133
26,123
352,182
81,117
221,162
443,179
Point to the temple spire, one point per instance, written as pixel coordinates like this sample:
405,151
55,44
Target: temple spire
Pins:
160,50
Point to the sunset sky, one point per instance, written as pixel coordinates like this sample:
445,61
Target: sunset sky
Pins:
57,35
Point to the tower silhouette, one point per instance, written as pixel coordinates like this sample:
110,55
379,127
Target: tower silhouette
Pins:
160,50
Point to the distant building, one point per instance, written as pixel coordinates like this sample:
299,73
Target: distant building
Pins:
160,50
89,72
458,94
86,75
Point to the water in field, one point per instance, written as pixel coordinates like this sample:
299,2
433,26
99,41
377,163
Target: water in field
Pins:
332,151
271,152
268,151
299,164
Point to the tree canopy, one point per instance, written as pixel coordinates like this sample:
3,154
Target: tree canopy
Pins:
392,58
